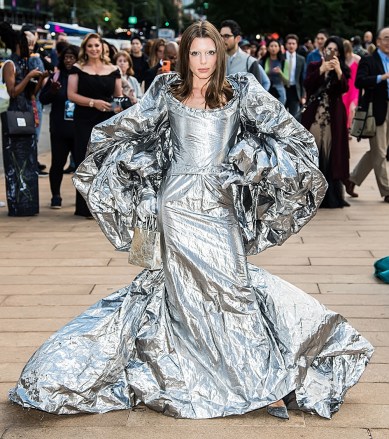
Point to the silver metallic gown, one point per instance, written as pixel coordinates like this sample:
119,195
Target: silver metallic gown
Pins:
207,335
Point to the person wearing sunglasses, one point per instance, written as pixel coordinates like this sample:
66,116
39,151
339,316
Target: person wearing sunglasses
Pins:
238,60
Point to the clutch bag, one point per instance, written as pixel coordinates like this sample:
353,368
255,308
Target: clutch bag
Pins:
145,249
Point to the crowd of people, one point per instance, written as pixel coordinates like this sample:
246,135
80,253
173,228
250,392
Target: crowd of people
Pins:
317,81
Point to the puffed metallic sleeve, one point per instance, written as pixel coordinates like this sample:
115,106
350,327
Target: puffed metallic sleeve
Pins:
127,155
278,158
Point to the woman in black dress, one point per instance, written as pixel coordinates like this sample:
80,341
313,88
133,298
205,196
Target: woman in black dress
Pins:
92,84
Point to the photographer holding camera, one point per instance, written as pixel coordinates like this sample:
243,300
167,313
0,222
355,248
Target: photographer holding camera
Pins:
325,117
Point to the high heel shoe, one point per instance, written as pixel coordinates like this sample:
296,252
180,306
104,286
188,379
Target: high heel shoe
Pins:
349,185
278,412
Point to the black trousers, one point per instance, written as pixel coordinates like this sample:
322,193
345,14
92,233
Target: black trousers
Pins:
82,133
61,146
293,102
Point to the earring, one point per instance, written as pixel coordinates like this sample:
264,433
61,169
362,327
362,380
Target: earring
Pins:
86,57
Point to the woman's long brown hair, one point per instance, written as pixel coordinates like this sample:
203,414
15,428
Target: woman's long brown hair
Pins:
82,56
219,91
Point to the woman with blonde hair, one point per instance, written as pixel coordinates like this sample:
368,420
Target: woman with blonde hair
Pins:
130,85
92,84
225,171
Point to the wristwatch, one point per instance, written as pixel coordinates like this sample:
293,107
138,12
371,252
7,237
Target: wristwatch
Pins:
91,103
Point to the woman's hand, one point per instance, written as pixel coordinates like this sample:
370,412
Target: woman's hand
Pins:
147,207
335,65
132,97
325,66
276,70
36,73
101,105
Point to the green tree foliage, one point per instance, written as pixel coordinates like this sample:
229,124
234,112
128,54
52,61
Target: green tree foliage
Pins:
89,13
303,17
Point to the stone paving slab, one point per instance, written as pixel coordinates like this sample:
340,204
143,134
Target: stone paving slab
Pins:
351,299
23,339
367,393
380,434
354,288
54,288
308,270
51,300
366,325
188,432
368,262
354,416
32,324
54,262
376,373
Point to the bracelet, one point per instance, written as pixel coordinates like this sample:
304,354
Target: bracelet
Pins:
91,103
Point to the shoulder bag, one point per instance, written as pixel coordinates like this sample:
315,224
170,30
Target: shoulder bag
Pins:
363,125
20,123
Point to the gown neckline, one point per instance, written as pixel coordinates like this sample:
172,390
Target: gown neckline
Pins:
210,110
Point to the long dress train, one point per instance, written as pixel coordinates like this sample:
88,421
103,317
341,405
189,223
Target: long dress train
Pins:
208,334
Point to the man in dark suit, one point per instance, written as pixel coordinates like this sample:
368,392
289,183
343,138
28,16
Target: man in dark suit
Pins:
372,76
295,93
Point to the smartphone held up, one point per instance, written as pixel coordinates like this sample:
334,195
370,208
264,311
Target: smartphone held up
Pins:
329,55
165,66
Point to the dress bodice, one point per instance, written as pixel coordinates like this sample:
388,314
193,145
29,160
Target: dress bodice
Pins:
202,138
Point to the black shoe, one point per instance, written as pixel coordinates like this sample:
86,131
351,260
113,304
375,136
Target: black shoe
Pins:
56,202
43,173
386,199
69,170
41,167
349,185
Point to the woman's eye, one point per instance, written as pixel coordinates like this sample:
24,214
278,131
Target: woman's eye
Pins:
195,53
211,52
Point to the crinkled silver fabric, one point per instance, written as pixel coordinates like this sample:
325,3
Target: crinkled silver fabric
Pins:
208,335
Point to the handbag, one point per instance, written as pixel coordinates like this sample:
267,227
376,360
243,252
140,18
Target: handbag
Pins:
20,123
317,96
363,125
4,95
145,248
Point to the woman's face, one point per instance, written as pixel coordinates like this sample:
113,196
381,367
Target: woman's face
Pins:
136,47
273,48
161,52
31,40
123,64
69,59
202,57
262,51
93,48
332,48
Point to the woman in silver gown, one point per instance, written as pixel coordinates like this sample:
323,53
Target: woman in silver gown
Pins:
208,335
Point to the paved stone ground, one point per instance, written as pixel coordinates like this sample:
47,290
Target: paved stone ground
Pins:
55,265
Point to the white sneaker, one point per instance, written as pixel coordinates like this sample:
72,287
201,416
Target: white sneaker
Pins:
2,204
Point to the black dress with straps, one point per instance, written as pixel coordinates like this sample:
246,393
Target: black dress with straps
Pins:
85,118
